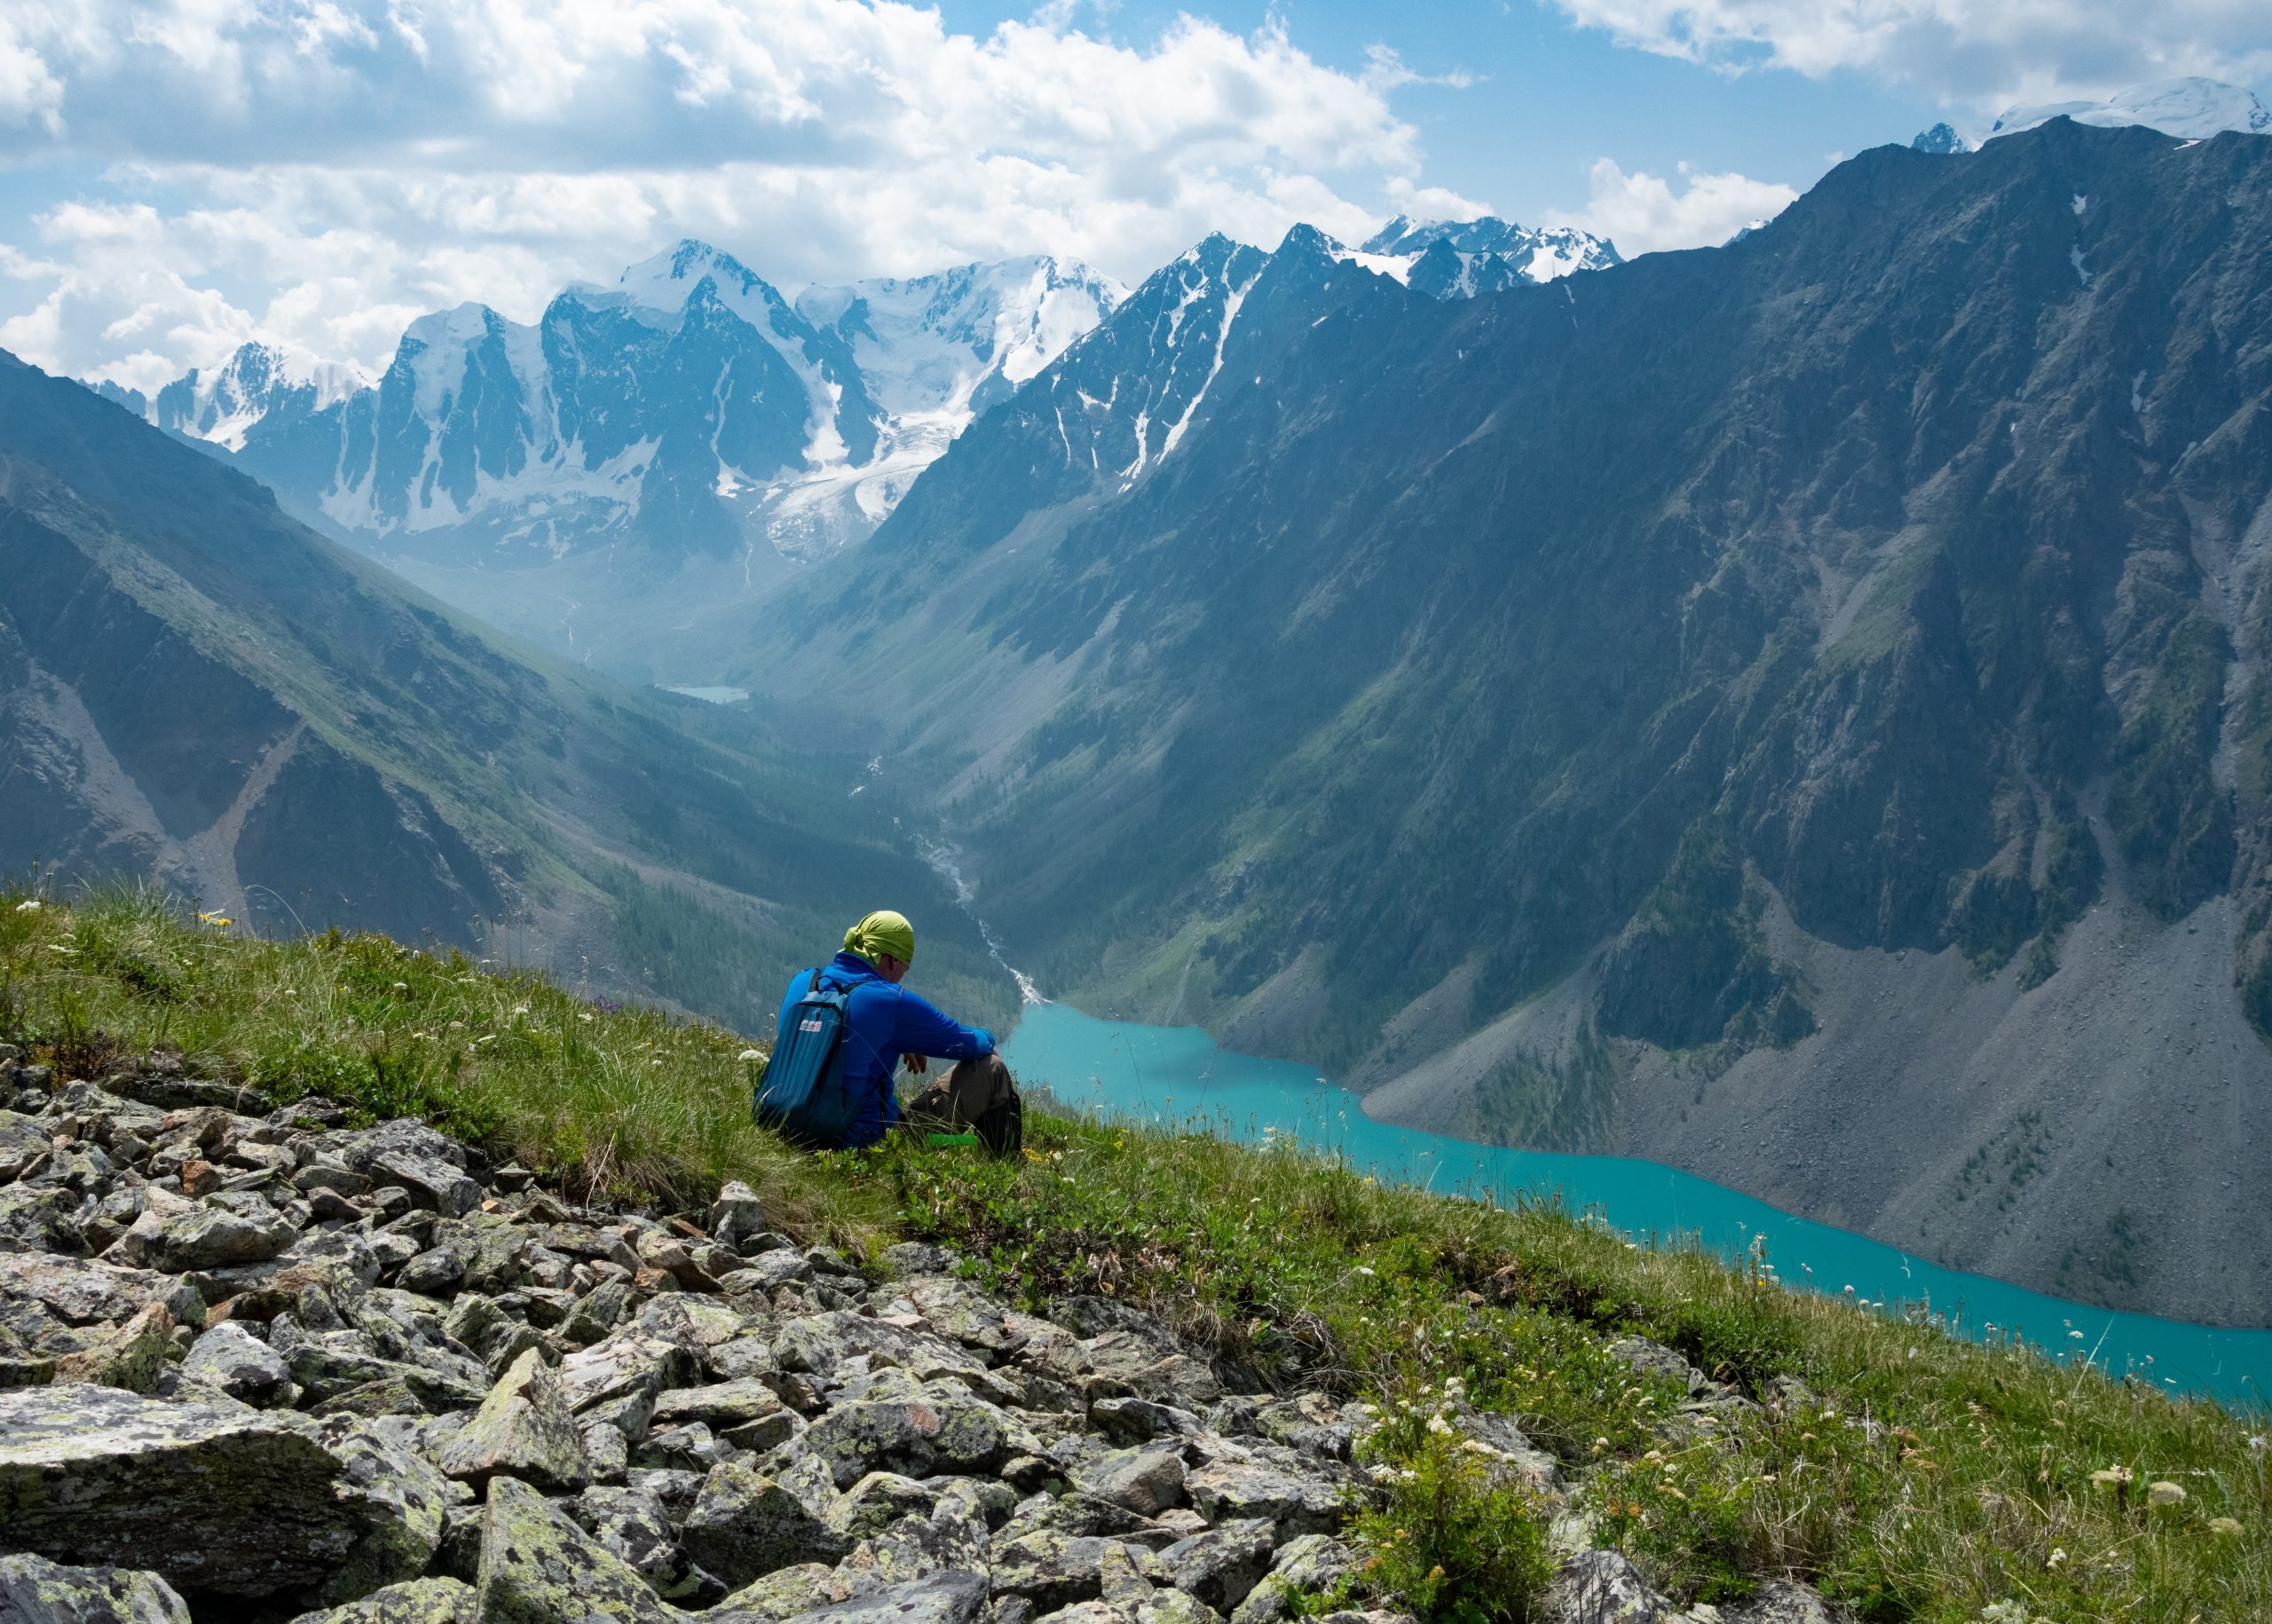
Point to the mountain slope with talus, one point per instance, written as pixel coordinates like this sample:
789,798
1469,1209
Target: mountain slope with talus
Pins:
196,690
1795,710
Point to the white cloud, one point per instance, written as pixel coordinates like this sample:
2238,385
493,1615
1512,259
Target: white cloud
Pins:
1642,213
1985,53
335,165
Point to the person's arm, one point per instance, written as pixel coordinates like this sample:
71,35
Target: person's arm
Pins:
917,1028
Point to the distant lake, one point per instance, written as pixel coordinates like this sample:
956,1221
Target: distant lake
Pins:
1178,1076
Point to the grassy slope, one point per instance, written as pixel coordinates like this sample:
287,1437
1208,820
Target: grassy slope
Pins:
1923,1477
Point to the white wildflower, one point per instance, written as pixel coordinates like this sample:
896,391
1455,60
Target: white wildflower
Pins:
2164,1492
746,1054
32,906
1439,1426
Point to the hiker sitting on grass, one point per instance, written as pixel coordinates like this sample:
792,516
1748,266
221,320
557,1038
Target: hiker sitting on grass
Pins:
843,1031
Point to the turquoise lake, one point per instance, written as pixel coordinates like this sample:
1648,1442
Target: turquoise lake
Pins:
1176,1075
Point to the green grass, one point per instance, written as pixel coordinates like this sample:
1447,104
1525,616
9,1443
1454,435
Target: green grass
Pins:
1919,1477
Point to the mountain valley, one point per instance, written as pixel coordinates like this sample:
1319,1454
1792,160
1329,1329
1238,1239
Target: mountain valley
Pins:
1791,711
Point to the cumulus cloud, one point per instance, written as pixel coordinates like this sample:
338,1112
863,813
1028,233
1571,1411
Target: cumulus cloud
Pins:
1642,213
1986,53
334,166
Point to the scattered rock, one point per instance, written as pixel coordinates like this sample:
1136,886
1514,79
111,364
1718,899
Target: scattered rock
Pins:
34,1590
231,1360
95,1476
538,1567
417,1601
524,1429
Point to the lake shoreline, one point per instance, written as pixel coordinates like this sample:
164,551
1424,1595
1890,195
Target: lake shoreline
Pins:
1179,1075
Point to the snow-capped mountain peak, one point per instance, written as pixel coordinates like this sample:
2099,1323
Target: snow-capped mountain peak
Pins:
221,404
955,342
2192,109
1457,259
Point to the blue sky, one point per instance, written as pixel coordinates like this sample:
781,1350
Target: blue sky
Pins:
178,177
1550,98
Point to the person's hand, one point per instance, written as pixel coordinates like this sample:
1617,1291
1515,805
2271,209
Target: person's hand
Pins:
916,1064
985,1040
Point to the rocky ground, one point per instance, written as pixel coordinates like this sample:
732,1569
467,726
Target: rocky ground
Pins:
259,1364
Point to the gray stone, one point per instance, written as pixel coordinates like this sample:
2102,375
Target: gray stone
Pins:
524,1429
950,1597
720,1405
1780,1601
787,1593
538,1567
1647,1357
736,1215
618,1380
1136,1421
83,1291
418,1601
1309,1563
636,1526
877,1501
34,1590
231,1360
1221,1566
130,1356
225,1230
745,1524
96,1476
766,1271
917,1438
1602,1586
1229,1490
688,1448
1144,1481
1051,1569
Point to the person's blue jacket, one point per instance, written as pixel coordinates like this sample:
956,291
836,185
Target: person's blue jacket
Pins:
883,1022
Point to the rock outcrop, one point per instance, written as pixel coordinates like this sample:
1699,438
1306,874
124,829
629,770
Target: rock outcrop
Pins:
257,1363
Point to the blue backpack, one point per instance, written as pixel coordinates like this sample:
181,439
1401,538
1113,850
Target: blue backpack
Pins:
802,1094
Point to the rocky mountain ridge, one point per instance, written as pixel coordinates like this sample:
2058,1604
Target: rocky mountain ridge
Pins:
287,1368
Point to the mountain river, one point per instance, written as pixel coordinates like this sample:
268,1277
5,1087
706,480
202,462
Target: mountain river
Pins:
1176,1074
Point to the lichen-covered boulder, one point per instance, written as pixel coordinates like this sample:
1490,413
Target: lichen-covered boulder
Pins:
1235,1491
744,1526
736,1215
418,1601
83,1291
132,1356
232,1502
230,1359
1053,1570
524,1429
1146,1481
34,1590
538,1567
618,1380
1310,1563
950,1597
877,1501
719,1406
787,1593
923,1435
1602,1586
228,1228
635,1525
1221,1567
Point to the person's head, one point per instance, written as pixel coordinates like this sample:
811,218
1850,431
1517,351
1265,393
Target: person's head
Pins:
886,940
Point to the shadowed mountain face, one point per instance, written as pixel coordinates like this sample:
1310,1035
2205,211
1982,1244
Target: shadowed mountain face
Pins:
195,689
1794,710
